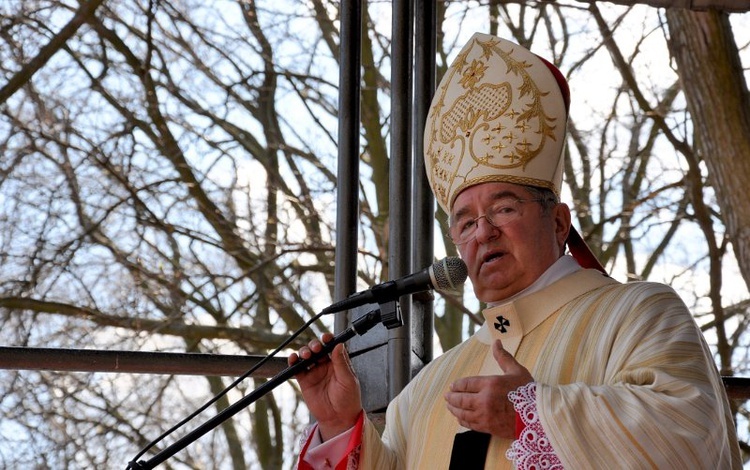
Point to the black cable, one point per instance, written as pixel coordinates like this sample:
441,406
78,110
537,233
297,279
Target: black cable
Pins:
227,389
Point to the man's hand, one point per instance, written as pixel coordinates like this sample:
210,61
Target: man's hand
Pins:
481,403
330,388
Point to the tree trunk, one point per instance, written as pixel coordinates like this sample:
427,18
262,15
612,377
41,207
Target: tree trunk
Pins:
717,97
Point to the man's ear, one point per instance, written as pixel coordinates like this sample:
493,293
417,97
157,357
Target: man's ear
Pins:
561,215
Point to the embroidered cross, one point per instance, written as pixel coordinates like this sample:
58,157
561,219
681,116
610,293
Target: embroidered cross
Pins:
501,323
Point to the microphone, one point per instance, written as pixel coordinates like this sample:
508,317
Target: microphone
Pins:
447,273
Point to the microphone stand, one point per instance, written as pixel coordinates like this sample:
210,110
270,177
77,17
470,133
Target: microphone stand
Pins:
389,313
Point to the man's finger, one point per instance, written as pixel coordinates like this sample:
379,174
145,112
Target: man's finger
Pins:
504,359
468,384
463,414
341,362
293,358
459,401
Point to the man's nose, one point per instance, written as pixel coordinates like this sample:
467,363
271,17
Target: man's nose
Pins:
485,230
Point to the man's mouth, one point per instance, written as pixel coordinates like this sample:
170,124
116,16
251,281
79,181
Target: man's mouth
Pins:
494,256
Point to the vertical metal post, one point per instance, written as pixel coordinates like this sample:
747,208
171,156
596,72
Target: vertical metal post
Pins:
371,364
400,182
424,202
347,205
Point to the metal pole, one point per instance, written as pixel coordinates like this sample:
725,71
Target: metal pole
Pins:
424,202
347,205
400,185
136,362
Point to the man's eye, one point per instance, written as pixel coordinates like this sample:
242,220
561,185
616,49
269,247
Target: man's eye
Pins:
503,209
467,225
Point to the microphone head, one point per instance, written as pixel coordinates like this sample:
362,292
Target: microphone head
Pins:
448,273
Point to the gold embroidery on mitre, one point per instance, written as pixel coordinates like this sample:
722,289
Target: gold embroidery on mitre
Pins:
487,102
473,74
520,180
532,125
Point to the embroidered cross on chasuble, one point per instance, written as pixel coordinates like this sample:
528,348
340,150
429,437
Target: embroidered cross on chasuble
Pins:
501,324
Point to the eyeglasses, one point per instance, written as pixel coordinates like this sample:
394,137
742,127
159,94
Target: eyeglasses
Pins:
501,213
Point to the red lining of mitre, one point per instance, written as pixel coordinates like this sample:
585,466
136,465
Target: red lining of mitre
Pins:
561,82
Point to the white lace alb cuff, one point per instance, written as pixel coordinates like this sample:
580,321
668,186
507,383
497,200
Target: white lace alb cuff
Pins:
532,449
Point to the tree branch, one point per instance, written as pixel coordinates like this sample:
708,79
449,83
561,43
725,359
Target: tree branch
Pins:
85,11
258,339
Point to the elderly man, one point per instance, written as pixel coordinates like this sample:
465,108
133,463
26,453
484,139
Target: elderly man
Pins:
571,368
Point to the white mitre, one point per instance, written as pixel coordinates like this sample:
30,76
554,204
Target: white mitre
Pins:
498,115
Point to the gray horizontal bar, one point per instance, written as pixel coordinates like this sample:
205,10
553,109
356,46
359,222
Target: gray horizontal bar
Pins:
143,362
135,362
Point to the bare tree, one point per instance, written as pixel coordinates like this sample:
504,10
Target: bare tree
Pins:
167,183
158,197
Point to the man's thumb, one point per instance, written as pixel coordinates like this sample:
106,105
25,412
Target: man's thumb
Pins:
341,361
504,359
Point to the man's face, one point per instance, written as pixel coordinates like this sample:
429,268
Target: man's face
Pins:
504,260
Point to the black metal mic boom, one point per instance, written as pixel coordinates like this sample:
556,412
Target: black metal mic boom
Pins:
447,273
